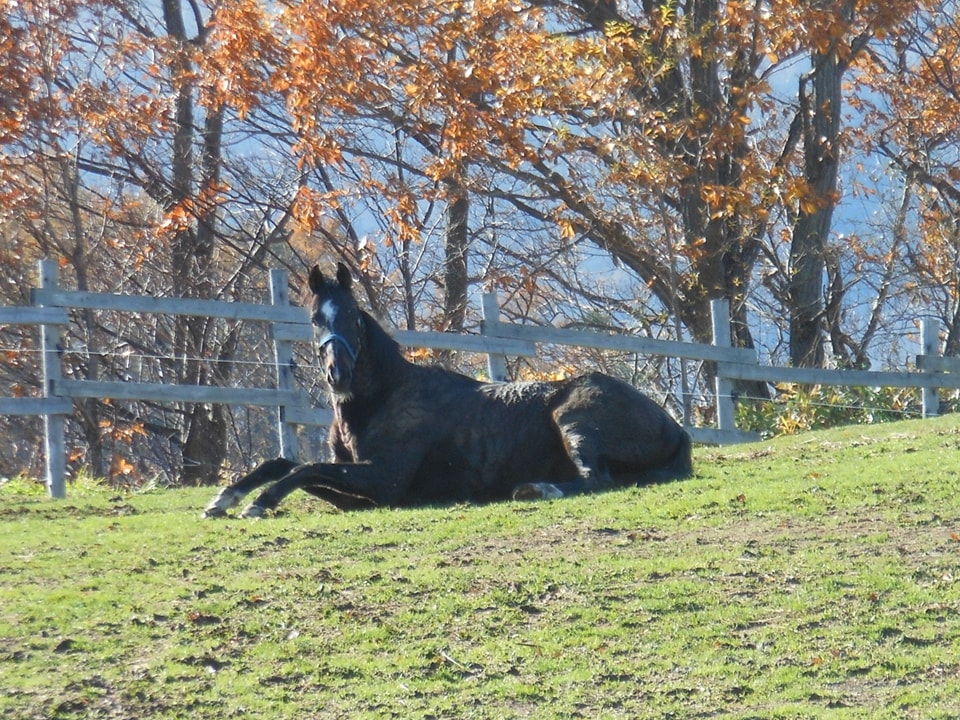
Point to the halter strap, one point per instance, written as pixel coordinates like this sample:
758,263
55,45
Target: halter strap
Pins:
330,337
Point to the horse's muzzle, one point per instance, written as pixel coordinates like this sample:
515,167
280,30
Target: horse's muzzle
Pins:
337,357
339,380
338,370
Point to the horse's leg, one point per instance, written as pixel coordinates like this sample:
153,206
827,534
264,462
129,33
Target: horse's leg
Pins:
538,491
634,434
583,445
606,423
356,481
339,500
231,495
592,474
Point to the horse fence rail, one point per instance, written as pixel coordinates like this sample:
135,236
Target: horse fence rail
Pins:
50,305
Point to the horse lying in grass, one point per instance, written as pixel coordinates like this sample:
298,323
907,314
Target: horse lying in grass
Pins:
405,434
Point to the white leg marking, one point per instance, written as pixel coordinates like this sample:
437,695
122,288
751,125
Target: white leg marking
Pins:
225,499
253,512
537,491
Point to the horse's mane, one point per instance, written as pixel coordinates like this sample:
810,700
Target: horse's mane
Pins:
382,350
391,366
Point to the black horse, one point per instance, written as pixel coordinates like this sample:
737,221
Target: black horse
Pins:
406,434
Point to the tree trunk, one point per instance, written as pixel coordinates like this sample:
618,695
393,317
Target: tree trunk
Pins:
205,446
820,99
205,441
456,246
89,415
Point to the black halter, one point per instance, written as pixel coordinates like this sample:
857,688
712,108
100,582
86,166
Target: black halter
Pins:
331,336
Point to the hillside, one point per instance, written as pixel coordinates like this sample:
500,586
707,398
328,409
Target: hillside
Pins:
813,576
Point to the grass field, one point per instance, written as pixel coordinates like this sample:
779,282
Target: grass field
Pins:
816,576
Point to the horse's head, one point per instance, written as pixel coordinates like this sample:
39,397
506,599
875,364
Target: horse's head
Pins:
338,324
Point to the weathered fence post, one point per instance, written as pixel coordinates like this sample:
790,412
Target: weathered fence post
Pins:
720,316
283,354
53,423
929,347
496,364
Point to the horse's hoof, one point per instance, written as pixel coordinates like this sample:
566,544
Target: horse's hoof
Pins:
253,512
225,499
537,491
213,512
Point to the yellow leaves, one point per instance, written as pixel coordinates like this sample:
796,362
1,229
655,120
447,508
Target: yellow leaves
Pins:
120,467
419,355
478,81
528,280
178,219
617,29
123,432
799,193
561,373
550,374
463,68
808,204
666,13
181,216
422,94
724,201
242,47
568,230
311,208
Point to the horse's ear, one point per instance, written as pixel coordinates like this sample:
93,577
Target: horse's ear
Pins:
344,277
315,280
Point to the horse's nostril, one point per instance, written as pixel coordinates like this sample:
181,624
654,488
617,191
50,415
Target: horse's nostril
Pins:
338,378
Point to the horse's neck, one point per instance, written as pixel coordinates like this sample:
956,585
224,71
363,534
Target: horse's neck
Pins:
380,366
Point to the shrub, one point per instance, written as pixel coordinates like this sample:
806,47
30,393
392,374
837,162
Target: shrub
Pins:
797,408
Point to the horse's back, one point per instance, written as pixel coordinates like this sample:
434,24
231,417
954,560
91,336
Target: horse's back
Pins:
477,441
488,438
557,428
471,439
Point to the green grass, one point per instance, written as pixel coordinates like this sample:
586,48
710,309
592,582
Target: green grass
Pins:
814,576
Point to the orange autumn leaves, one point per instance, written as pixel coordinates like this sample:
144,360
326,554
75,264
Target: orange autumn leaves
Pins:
581,124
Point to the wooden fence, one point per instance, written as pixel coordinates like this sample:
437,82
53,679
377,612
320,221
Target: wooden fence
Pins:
290,324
